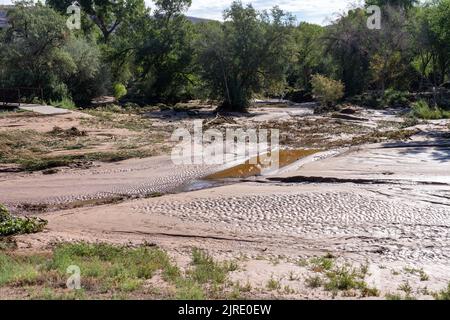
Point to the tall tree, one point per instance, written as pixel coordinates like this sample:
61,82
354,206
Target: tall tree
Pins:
347,41
439,22
390,48
63,66
244,55
108,15
164,54
309,58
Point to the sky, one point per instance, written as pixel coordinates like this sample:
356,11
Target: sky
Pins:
314,11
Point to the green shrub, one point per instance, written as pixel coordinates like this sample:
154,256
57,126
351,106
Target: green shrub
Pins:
119,91
395,99
444,294
326,90
206,270
4,213
10,225
422,110
64,103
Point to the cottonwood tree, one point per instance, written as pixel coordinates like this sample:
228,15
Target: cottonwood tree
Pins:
63,66
309,57
391,52
245,54
108,15
347,41
439,23
165,52
30,48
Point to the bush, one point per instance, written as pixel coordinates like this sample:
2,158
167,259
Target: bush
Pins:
119,91
64,103
395,99
299,96
10,225
326,90
4,213
444,294
422,110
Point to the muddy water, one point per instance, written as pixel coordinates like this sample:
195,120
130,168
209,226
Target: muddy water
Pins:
255,166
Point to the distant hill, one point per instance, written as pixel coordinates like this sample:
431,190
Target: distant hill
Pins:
198,20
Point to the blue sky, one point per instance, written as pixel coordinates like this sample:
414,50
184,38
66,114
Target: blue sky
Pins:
315,11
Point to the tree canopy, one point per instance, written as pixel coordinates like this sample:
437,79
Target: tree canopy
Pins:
160,55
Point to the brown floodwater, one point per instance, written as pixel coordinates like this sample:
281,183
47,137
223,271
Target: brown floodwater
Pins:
254,166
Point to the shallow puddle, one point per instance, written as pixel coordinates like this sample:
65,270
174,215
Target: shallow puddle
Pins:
255,166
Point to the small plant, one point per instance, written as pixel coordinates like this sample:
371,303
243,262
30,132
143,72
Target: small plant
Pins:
207,270
302,262
370,292
391,296
406,288
422,110
313,282
119,91
320,264
344,278
273,284
288,290
444,294
326,90
420,272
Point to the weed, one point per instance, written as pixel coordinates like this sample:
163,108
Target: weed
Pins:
406,288
273,284
314,282
443,294
206,269
422,110
320,264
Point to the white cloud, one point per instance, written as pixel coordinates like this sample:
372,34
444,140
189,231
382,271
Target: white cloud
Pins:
316,11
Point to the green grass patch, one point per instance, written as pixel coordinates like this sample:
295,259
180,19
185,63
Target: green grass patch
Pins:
422,110
109,271
207,270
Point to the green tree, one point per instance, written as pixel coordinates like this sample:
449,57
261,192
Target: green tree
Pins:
390,49
309,55
164,53
439,23
406,4
108,15
61,64
31,49
347,41
246,54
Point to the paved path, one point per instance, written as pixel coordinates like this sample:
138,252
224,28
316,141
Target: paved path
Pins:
45,110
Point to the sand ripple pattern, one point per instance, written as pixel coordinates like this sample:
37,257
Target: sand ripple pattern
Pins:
362,218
